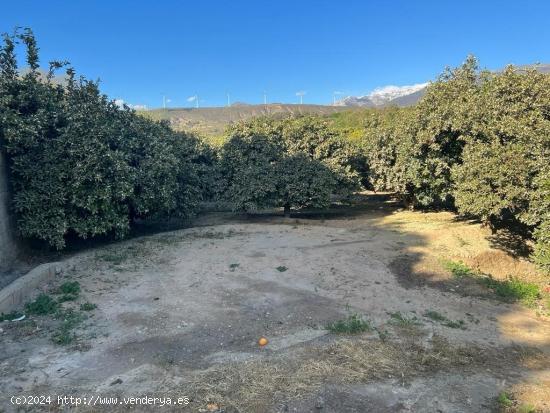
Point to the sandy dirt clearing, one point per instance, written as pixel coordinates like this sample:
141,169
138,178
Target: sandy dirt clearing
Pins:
180,314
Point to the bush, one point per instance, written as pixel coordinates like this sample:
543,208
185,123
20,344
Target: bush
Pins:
314,138
80,164
42,305
249,171
477,142
261,174
303,182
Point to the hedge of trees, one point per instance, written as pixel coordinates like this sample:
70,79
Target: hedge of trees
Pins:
80,164
294,162
478,142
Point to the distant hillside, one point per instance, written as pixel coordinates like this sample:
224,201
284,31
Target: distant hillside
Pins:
347,114
213,121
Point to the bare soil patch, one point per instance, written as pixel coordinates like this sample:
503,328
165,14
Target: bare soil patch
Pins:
180,313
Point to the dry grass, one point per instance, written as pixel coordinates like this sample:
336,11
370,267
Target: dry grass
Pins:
256,385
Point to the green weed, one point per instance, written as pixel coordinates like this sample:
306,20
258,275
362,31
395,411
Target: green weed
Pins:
505,400
44,304
70,319
440,318
353,324
10,316
282,268
459,269
401,320
69,287
67,297
434,315
513,289
88,307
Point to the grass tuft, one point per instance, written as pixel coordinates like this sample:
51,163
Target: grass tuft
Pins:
353,324
70,320
513,289
402,320
44,304
444,321
459,269
88,307
505,400
282,268
69,287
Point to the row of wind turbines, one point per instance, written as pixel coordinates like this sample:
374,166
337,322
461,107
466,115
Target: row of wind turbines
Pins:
196,100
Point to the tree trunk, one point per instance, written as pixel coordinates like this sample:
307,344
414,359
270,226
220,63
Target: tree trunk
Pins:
287,211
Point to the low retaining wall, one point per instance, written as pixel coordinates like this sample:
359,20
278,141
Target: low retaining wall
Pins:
22,290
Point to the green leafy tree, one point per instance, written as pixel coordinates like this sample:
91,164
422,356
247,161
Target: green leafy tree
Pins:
248,164
261,174
303,182
507,149
82,165
314,137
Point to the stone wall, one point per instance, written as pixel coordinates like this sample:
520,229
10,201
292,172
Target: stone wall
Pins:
8,246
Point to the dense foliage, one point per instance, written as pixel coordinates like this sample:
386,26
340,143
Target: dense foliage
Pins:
261,170
80,164
315,138
478,142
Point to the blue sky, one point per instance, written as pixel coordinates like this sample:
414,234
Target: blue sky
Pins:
142,50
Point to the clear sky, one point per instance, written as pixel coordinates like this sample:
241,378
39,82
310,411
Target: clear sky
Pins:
143,49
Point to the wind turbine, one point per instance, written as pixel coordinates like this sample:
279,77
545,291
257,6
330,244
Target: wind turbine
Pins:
301,93
265,97
195,99
228,100
165,101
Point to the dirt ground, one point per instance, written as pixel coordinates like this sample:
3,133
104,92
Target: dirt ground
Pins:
179,314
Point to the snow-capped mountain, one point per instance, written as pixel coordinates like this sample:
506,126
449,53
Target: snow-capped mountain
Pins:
387,95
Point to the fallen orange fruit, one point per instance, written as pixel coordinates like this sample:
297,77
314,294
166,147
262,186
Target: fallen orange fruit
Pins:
262,341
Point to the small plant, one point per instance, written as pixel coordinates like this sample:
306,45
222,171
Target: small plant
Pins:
401,320
505,400
513,289
88,307
454,324
353,324
67,297
434,315
10,316
63,337
282,268
440,318
69,287
70,319
233,267
44,304
459,269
